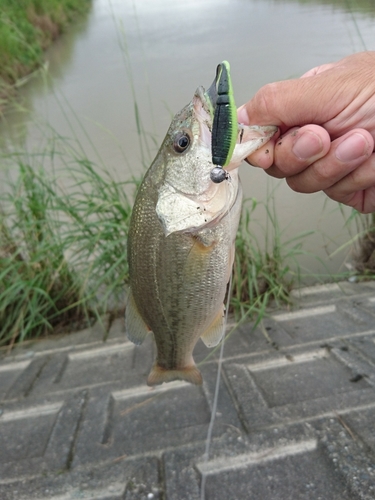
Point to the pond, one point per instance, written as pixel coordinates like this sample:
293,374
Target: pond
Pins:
155,53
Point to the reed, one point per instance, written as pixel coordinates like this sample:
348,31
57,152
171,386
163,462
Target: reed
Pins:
27,27
265,268
62,245
63,235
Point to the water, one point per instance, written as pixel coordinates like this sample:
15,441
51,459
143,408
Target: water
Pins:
168,48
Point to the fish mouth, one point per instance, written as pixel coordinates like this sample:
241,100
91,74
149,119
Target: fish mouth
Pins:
203,112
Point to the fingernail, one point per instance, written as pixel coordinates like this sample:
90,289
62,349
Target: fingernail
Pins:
352,148
307,145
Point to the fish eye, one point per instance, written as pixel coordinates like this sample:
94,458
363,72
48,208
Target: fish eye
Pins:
181,142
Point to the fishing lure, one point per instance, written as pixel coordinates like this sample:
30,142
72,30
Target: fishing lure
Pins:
224,127
218,174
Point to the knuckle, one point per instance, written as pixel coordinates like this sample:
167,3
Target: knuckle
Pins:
324,173
266,98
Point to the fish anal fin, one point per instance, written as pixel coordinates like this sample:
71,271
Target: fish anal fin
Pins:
159,375
212,336
135,327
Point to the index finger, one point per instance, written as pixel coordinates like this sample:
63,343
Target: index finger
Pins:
313,99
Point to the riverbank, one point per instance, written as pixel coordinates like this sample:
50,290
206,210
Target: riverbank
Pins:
27,28
63,250
63,240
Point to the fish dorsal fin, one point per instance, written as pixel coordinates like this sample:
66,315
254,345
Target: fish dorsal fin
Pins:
136,328
212,336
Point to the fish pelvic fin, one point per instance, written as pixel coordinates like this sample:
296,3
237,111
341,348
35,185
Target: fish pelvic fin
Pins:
135,327
159,375
215,332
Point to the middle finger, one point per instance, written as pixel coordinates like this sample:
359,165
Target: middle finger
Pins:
346,154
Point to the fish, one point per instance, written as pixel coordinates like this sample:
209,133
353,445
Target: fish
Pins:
180,246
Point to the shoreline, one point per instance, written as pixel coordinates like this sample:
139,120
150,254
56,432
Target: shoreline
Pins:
26,32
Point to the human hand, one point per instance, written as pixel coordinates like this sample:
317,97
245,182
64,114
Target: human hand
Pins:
327,126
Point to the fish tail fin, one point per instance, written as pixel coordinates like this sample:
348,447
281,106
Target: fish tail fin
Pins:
158,375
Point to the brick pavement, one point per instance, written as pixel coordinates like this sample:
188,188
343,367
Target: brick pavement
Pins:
295,417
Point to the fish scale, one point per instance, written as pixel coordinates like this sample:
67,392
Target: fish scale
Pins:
182,285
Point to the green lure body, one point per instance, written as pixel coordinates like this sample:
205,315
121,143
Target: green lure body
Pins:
224,127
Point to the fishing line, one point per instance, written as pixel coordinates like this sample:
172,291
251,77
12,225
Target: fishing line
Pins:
218,377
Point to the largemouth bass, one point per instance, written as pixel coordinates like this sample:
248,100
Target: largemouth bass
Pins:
181,240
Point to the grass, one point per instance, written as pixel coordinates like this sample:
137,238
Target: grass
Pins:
27,27
63,238
62,245
363,243
63,231
365,255
262,270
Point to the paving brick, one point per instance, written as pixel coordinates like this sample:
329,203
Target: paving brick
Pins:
295,471
62,443
294,419
40,437
282,389
300,378
365,345
9,373
26,379
350,457
278,464
130,480
360,425
322,322
25,433
118,423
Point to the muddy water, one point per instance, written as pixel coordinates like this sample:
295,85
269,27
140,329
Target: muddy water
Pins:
164,49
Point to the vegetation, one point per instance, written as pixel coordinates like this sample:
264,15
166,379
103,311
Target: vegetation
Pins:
62,245
262,270
27,27
364,256
63,230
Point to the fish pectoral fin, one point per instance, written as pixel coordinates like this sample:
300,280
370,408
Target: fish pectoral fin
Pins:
212,336
159,375
135,327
